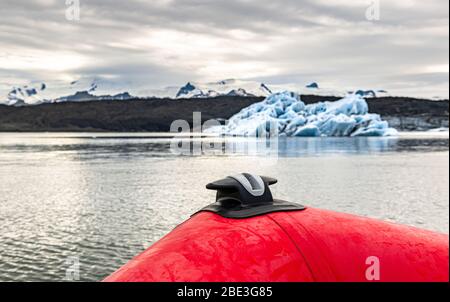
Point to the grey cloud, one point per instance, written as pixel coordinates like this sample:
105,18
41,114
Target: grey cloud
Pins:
317,40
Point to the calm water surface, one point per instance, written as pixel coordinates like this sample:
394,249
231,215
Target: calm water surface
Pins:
99,199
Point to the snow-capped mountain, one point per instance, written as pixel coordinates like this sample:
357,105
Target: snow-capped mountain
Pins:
313,85
86,96
75,91
93,90
230,87
25,95
87,89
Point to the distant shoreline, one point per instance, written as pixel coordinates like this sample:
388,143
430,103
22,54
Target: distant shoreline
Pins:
156,115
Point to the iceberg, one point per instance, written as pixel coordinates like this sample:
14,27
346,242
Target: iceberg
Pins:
347,117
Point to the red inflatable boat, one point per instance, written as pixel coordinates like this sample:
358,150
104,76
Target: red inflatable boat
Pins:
247,236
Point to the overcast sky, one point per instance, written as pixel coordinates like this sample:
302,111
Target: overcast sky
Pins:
169,42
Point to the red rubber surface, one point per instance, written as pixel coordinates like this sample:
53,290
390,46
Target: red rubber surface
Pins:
310,245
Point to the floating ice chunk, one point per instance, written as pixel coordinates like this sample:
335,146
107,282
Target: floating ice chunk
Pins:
339,125
308,130
346,117
375,128
296,122
442,129
351,105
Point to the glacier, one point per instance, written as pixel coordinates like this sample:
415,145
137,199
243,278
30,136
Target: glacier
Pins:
290,116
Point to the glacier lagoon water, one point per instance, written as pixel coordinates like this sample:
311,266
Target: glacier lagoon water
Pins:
102,198
284,114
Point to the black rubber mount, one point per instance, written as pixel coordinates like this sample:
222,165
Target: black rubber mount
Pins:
245,195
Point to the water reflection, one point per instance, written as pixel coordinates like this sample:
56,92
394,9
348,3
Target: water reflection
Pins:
98,147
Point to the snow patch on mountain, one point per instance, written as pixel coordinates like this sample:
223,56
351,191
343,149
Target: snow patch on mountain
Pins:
20,96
